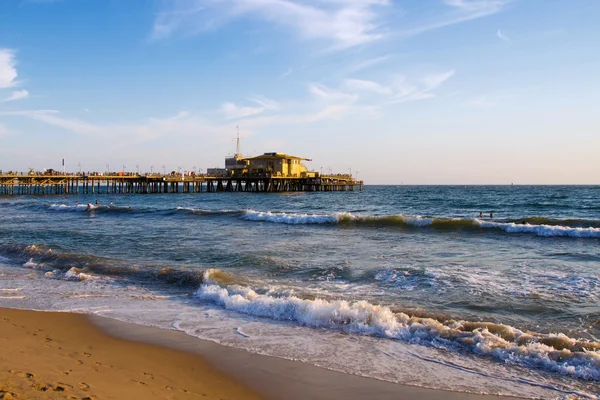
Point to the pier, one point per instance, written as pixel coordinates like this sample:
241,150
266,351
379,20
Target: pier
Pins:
130,183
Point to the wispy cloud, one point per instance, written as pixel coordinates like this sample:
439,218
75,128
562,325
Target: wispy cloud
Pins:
503,37
364,85
16,95
8,72
327,112
344,23
368,63
183,124
406,90
286,74
233,111
53,117
327,94
265,103
460,11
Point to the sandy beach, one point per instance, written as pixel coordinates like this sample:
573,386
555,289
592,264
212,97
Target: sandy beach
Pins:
49,355
63,356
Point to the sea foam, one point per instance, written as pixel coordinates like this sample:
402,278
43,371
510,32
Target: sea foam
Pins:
420,221
553,352
541,230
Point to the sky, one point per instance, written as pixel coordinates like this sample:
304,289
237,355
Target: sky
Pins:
396,91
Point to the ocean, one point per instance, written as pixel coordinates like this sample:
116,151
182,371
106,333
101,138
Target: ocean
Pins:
406,284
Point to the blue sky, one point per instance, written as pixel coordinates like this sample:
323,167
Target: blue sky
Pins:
419,92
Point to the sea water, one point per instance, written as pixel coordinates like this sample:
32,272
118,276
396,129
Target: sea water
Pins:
406,284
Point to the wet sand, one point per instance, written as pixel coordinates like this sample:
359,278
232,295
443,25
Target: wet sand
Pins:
48,355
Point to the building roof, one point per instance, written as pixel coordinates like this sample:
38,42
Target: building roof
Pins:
273,156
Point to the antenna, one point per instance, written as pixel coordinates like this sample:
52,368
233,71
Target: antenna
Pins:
237,147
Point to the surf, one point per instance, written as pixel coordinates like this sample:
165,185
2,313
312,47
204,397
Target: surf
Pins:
554,352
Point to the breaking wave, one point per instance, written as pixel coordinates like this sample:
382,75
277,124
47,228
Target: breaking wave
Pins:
89,207
293,219
536,225
552,352
73,266
200,211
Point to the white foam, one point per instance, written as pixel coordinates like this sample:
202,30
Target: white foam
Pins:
541,230
364,318
31,264
76,274
66,207
292,218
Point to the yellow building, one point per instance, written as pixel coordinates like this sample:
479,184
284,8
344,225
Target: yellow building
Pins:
277,164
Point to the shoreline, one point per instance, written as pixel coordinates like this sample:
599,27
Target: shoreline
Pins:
192,367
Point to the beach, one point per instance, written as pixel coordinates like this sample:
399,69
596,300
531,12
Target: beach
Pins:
64,356
50,355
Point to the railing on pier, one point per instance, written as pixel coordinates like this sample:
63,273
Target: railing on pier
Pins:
122,183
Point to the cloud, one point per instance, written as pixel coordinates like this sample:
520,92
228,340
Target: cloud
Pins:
502,36
285,74
460,11
369,86
405,90
52,117
368,63
264,102
344,23
334,112
8,72
16,95
181,124
331,95
232,111
432,81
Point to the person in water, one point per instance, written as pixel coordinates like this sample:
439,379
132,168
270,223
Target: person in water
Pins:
491,215
480,214
96,202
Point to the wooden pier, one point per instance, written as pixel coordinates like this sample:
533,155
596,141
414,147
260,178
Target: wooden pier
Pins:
125,183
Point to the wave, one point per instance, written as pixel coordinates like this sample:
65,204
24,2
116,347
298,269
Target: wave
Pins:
293,219
552,352
73,266
200,211
89,207
542,230
544,227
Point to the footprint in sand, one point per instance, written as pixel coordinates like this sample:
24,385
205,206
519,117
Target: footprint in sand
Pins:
22,374
149,375
49,388
84,386
7,395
